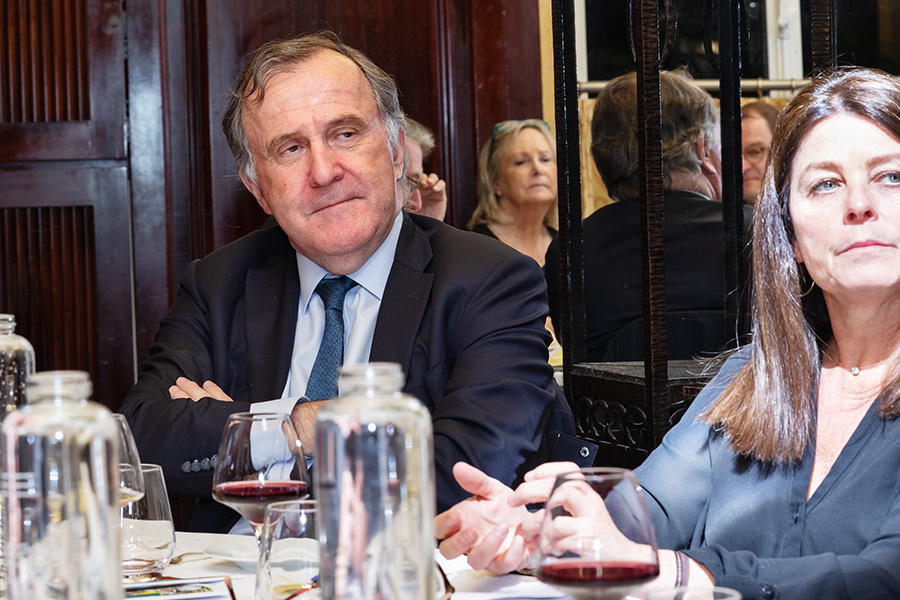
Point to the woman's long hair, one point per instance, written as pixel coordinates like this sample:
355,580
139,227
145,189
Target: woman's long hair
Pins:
768,410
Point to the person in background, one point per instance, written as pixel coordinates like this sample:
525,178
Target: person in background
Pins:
694,247
428,192
780,481
517,187
757,124
318,136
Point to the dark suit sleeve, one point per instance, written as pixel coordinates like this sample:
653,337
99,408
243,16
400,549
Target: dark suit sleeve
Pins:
171,432
551,275
497,389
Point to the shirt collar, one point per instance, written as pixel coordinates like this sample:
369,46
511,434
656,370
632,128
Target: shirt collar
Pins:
372,276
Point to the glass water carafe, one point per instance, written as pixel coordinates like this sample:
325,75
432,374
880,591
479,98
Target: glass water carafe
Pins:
374,479
16,364
59,479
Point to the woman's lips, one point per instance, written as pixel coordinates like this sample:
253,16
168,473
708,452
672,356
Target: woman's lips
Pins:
864,244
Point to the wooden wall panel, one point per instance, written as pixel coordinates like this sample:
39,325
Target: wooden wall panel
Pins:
506,63
49,281
67,268
62,84
43,62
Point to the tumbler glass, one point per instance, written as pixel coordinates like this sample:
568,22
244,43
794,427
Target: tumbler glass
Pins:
290,556
148,533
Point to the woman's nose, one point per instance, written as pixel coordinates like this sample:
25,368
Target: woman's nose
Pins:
859,205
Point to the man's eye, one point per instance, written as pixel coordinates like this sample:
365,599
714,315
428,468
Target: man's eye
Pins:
291,149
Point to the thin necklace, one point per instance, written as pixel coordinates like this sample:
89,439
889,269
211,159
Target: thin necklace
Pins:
856,370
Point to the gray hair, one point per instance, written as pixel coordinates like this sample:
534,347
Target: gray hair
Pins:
421,135
687,113
280,56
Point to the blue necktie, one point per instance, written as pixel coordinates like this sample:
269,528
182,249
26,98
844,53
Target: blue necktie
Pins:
322,383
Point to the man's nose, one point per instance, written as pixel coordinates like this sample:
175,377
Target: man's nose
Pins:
415,201
324,166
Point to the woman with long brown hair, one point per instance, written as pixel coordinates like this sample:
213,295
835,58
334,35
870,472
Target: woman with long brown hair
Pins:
781,480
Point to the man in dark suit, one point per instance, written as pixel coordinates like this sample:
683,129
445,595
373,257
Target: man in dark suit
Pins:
694,256
318,136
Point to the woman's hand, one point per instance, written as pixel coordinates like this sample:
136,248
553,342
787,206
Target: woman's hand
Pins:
585,524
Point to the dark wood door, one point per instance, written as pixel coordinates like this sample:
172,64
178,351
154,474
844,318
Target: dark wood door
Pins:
65,246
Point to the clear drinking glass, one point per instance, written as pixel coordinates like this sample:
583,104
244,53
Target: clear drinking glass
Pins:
255,465
147,529
695,593
597,539
291,554
131,478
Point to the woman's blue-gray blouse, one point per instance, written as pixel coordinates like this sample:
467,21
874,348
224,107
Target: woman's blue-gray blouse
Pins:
750,524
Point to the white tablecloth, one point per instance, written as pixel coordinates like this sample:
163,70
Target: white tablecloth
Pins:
469,584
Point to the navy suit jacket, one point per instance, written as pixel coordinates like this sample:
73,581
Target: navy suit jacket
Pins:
613,290
461,313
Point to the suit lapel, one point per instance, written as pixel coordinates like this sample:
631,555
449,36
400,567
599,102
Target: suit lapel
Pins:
272,297
405,297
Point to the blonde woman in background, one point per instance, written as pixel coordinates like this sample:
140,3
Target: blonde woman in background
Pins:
517,187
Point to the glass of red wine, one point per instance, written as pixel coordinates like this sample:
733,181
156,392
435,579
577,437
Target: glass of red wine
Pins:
597,539
260,461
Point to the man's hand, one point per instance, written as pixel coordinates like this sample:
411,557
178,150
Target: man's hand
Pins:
485,527
434,196
304,418
185,388
429,198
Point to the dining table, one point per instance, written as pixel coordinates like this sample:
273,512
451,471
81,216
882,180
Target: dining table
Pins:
213,555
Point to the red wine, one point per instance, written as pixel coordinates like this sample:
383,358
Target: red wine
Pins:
250,498
578,577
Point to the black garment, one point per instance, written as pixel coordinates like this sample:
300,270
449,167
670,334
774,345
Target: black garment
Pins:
695,298
751,525
483,229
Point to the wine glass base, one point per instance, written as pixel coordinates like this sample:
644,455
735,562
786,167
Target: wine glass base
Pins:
141,577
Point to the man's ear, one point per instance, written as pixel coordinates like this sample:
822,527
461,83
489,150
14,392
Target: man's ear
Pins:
257,193
399,157
703,154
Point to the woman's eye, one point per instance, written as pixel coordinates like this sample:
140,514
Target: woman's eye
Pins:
825,186
892,178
